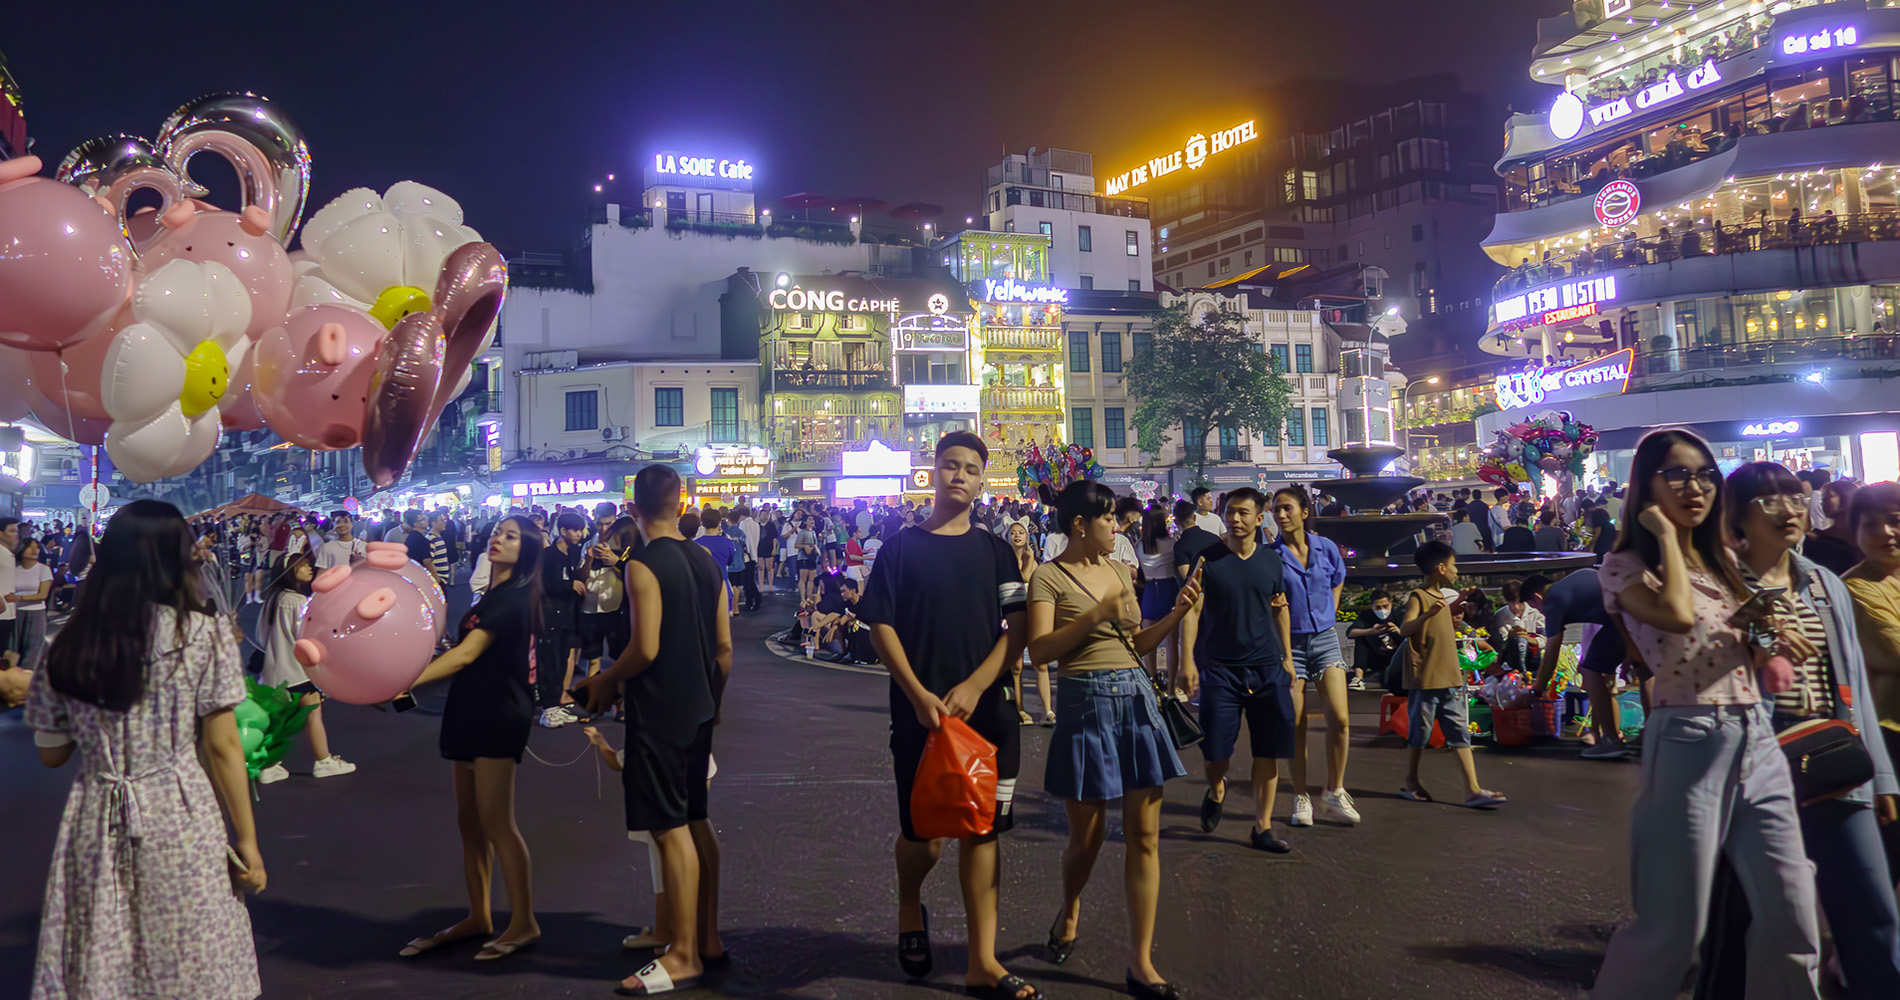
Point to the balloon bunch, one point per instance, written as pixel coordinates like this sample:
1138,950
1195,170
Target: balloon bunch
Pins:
266,719
1550,442
152,332
1044,473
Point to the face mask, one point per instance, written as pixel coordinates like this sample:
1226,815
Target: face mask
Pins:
1382,613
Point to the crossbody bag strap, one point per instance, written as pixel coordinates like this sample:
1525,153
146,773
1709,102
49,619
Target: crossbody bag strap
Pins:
1115,622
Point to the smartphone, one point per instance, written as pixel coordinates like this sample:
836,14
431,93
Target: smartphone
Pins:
403,702
1758,605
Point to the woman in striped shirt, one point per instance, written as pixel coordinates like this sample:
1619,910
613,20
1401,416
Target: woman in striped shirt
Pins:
1769,518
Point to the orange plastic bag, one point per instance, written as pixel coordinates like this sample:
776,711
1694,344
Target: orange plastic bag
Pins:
955,791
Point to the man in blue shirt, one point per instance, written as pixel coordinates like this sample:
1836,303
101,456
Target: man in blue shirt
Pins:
1314,572
1239,640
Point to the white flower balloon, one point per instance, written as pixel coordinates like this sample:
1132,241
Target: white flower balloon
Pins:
166,373
380,253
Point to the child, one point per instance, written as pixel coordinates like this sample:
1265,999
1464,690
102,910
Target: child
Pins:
659,936
283,608
1432,674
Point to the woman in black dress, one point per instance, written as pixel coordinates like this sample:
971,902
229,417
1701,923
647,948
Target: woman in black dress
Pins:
485,726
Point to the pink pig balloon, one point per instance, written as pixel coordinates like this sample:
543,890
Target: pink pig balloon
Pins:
66,269
311,380
415,574
74,378
198,232
237,409
367,632
15,385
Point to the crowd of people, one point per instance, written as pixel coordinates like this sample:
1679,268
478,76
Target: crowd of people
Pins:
1137,620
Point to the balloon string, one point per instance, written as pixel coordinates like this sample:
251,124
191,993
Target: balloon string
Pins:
589,752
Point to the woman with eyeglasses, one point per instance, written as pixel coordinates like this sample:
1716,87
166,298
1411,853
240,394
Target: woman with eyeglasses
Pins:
1715,782
1769,517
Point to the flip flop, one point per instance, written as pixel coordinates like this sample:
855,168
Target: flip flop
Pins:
502,949
424,945
916,943
1485,800
1415,796
1010,987
654,979
642,940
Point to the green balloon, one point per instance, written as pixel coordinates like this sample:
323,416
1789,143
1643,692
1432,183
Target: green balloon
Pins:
250,713
253,738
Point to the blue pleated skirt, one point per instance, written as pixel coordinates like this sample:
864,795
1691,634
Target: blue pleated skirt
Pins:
1109,738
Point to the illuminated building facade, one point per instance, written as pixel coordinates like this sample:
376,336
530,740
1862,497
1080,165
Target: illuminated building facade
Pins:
1018,337
1708,196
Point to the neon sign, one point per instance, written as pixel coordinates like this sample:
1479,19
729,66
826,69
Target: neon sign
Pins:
1192,155
1556,316
877,460
1803,43
1667,89
859,489
1772,428
701,166
1569,294
1011,290
558,488
930,333
1600,377
731,460
1618,204
1566,116
797,299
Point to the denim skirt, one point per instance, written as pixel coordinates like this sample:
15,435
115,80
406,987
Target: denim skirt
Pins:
1109,739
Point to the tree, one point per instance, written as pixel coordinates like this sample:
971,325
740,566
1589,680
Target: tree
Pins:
1205,373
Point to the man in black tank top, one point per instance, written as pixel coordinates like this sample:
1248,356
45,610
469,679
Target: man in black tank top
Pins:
675,671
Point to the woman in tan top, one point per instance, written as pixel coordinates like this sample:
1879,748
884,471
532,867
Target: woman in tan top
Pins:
1874,585
1109,741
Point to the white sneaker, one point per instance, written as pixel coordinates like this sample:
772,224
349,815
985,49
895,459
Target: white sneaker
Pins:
331,766
1338,805
1356,684
275,772
1302,811
553,718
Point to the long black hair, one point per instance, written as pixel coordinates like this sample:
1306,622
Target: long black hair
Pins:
1706,538
285,582
144,563
526,571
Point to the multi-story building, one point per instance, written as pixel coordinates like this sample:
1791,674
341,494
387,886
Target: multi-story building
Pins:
1017,329
1707,214
1096,241
1394,179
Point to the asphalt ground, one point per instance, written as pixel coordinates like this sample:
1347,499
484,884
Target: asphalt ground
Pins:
1417,901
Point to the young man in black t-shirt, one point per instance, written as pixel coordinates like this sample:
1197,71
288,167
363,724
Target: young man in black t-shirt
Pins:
938,596
675,593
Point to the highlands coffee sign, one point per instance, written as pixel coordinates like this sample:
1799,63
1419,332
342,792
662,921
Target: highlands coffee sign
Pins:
1600,377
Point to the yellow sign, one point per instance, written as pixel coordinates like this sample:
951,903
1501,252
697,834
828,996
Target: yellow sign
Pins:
1191,155
920,479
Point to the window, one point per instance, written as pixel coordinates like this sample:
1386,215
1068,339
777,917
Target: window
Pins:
1134,243
583,410
1296,427
1230,450
1134,284
1088,281
1111,350
1210,269
1193,438
1418,232
1362,248
669,407
1280,359
1303,358
1224,263
1388,241
1141,343
1078,350
1084,239
1082,426
725,414
1009,225
1246,259
1114,430
1319,427
1045,229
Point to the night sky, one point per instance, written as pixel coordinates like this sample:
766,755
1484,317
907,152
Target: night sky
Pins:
517,109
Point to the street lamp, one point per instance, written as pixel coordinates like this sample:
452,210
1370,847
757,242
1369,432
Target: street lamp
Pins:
1402,398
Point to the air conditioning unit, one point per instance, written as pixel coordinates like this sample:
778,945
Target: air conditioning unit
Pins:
613,433
577,453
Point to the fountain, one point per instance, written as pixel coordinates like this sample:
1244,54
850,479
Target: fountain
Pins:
1369,538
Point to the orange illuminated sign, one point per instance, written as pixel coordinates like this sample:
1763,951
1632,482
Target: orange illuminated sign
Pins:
1191,155
1566,315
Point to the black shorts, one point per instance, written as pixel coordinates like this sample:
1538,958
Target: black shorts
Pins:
6,633
307,687
907,751
665,784
608,630
1266,703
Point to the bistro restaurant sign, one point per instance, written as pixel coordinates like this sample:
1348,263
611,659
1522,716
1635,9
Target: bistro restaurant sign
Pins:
1600,377
797,299
1527,308
1191,155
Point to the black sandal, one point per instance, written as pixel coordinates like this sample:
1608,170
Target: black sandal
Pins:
1059,950
1010,987
912,943
1151,991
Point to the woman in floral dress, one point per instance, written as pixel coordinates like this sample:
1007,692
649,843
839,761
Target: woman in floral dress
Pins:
141,899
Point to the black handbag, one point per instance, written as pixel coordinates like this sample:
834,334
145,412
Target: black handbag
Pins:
1826,756
1183,729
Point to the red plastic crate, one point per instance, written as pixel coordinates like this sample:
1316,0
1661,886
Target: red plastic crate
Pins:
1395,717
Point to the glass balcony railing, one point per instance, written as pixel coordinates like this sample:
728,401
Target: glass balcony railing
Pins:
1752,354
1701,241
1009,399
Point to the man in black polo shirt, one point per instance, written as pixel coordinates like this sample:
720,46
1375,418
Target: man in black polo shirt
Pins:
1240,643
1191,538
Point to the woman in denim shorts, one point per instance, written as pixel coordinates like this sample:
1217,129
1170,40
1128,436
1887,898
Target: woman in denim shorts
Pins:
1109,741
1314,573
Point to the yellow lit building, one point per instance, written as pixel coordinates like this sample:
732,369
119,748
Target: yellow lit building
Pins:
1018,338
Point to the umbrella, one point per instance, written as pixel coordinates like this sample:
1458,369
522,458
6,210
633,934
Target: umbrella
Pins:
806,200
865,204
255,503
916,210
